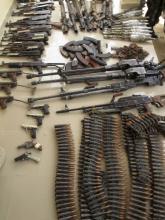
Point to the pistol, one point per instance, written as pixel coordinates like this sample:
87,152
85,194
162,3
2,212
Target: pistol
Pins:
27,156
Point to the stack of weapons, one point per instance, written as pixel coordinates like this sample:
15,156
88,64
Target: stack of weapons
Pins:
129,26
126,25
89,20
121,168
77,12
84,53
28,36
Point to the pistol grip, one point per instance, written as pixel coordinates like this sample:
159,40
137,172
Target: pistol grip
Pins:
46,110
39,121
3,104
35,159
7,90
13,77
33,133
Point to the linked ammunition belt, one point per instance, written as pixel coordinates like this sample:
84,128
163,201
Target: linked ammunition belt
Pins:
64,187
121,167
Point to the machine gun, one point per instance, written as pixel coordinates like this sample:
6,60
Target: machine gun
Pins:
121,65
113,88
130,73
122,104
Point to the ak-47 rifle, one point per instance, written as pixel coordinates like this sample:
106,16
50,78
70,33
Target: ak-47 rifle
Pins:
31,29
9,53
72,15
28,5
66,24
31,13
28,23
105,15
38,65
113,88
30,19
122,104
41,36
80,17
18,46
35,8
86,15
93,14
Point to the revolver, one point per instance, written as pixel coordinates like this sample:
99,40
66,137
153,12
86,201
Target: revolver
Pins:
30,145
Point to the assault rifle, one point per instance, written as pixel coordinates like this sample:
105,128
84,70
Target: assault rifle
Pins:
9,53
122,104
86,16
32,4
38,65
29,22
105,15
31,13
72,15
66,24
79,15
30,19
19,46
113,88
41,36
31,29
